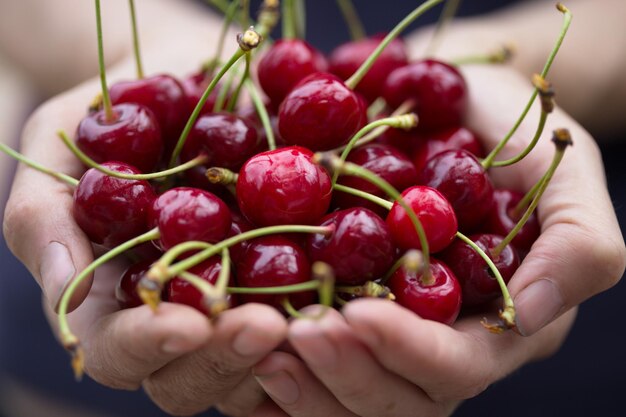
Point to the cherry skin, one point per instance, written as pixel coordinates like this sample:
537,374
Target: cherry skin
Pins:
112,210
348,57
320,113
358,250
501,220
272,261
226,139
434,212
438,89
432,143
283,186
459,176
386,162
194,86
439,301
184,213
477,281
180,291
133,137
164,95
285,64
126,289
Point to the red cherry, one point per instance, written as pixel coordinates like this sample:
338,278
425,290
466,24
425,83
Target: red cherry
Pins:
320,113
133,137
459,176
194,86
434,212
273,261
501,220
478,283
439,91
183,214
238,226
439,301
432,143
126,289
358,250
112,210
226,139
182,292
286,63
386,162
348,57
283,186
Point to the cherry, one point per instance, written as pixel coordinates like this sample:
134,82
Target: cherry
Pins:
133,136
126,289
478,283
320,113
348,57
164,95
459,176
434,212
182,292
226,139
431,143
438,300
112,210
358,250
238,226
386,162
502,219
283,186
184,213
272,261
438,89
286,63
194,87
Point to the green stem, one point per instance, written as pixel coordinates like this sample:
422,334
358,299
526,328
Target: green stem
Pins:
350,15
412,260
530,147
289,20
232,103
500,56
262,112
365,195
199,160
245,14
448,13
354,80
284,289
37,166
567,18
300,10
106,98
528,197
137,53
221,5
198,283
229,15
172,254
224,90
224,276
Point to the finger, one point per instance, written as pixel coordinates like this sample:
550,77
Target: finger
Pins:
345,366
295,389
241,338
268,409
448,363
124,348
581,250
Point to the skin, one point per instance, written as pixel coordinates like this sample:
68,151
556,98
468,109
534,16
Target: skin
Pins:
188,367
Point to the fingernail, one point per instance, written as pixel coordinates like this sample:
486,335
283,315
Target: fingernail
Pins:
250,343
56,270
312,344
280,386
537,305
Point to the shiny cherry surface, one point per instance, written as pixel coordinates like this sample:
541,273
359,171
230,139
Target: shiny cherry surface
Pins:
358,250
501,220
434,212
320,113
283,186
112,210
194,87
439,301
432,143
132,137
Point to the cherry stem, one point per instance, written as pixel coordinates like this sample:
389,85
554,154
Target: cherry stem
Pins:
172,254
262,112
68,339
339,300
526,200
136,50
402,109
376,108
289,20
412,261
284,289
221,5
246,75
229,15
449,11
300,10
222,279
508,314
245,14
499,56
37,166
365,195
567,18
192,261
351,16
224,90
106,98
562,139
249,40
198,160
223,176
369,289
354,80
324,274
405,122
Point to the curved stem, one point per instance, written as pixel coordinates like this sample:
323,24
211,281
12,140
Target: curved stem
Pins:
229,15
37,166
224,90
289,20
262,112
500,56
284,289
354,80
224,276
365,195
350,15
448,13
106,98
530,147
136,51
172,254
232,103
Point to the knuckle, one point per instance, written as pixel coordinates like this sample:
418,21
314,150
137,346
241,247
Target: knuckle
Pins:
609,257
171,401
19,212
